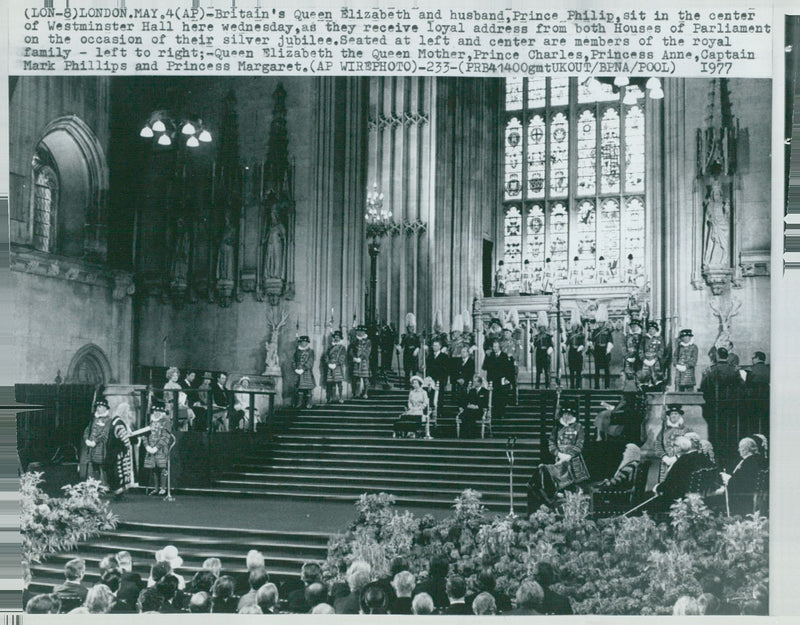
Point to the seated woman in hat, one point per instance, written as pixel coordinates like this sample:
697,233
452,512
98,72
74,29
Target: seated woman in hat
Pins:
666,446
241,403
418,407
156,444
185,415
566,445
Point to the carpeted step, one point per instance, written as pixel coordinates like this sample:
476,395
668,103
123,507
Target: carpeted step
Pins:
494,503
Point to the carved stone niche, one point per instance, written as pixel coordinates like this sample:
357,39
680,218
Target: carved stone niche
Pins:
754,263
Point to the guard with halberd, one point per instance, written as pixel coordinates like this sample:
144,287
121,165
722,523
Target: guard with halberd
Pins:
633,346
304,368
335,359
565,443
685,361
543,346
410,346
601,346
652,357
360,352
576,345
494,333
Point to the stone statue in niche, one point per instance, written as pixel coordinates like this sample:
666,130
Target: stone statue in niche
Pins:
275,248
717,217
180,259
225,254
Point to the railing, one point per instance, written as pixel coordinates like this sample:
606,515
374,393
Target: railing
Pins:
209,417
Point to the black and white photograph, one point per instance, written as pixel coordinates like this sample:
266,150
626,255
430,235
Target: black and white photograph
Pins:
392,344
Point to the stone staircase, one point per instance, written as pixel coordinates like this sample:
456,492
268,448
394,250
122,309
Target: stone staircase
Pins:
285,552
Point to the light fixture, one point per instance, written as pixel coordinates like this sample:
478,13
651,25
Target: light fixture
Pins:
159,126
192,142
621,81
164,140
656,94
188,128
205,136
146,132
653,83
630,97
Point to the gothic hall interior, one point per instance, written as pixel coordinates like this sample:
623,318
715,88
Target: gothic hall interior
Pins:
192,222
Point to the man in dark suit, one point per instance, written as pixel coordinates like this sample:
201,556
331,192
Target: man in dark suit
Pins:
720,387
529,599
438,368
436,584
358,576
73,589
456,592
742,482
311,573
221,401
462,374
485,582
499,372
403,586
676,484
553,602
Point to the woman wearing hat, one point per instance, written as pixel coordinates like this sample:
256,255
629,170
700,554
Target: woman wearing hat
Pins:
685,361
666,446
304,368
418,406
566,445
185,415
334,360
241,403
156,445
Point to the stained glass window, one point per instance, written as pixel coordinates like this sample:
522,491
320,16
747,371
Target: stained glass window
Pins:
578,150
513,160
536,156
609,151
587,153
634,150
513,94
536,92
512,255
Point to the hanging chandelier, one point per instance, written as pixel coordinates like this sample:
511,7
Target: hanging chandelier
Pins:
632,87
165,130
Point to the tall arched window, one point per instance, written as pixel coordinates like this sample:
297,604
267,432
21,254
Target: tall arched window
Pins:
573,180
45,201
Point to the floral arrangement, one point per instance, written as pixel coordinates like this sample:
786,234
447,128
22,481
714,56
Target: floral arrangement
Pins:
629,565
53,524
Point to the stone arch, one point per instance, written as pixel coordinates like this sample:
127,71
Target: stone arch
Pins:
89,365
80,162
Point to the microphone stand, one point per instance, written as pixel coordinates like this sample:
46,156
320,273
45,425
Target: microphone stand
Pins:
512,441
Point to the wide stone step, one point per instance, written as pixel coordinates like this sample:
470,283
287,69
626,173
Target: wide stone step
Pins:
494,503
489,492
357,471
381,465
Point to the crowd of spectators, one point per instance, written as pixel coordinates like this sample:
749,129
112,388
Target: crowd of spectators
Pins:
439,591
